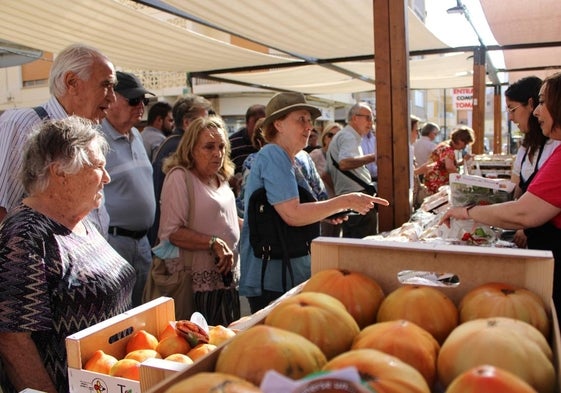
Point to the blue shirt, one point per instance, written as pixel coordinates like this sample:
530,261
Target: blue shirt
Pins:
272,168
129,197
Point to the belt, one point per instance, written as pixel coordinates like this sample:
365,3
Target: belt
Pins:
116,231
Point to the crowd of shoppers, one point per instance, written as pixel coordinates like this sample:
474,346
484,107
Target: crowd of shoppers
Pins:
92,199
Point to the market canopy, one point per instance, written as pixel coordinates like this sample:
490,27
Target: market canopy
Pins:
312,46
13,54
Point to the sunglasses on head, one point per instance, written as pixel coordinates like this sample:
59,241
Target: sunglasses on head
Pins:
138,100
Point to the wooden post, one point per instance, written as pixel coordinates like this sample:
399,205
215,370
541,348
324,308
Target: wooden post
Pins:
497,121
478,120
392,111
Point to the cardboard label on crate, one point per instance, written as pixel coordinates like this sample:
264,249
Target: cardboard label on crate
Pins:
346,380
82,381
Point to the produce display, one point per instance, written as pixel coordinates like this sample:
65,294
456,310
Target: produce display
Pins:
404,340
505,300
396,353
181,341
488,379
506,343
308,314
360,294
412,302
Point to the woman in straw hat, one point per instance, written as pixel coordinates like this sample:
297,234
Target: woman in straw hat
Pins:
289,120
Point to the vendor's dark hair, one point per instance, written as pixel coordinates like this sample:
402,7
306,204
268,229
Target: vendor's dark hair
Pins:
522,91
553,97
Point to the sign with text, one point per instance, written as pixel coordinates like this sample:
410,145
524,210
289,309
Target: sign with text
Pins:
462,98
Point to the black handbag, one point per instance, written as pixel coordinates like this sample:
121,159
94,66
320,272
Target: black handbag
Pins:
271,238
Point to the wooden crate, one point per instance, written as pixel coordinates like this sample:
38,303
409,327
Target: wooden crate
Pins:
384,260
111,336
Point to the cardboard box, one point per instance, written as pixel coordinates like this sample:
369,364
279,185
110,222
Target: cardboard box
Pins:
383,261
111,336
468,189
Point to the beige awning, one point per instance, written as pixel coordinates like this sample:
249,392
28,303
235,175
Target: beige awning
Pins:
519,22
327,44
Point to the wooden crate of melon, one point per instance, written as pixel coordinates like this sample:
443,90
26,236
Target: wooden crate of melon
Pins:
370,305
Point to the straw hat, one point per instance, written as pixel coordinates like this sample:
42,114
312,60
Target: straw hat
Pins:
283,103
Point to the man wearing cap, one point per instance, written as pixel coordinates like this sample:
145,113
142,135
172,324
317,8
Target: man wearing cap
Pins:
129,197
81,83
346,163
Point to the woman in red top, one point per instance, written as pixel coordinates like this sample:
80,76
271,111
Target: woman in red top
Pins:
444,158
539,207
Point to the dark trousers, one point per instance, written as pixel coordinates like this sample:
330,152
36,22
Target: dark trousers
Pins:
359,226
257,303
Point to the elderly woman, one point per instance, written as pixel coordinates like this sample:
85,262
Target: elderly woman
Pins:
443,158
539,207
59,275
211,235
289,120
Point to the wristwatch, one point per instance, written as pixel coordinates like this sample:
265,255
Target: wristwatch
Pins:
211,242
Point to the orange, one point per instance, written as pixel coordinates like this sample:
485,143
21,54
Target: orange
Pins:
100,362
126,368
168,331
200,350
218,334
180,358
172,344
141,339
143,354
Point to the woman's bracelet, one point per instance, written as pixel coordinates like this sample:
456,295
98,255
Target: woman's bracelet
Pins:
468,208
211,242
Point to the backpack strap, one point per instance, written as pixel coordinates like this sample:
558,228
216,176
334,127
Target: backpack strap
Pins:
41,112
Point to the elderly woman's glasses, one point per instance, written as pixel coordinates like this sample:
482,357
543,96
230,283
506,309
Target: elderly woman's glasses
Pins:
138,100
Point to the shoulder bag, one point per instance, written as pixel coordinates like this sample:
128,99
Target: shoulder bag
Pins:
368,188
169,277
272,238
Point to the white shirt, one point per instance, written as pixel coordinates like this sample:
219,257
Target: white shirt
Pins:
525,170
422,148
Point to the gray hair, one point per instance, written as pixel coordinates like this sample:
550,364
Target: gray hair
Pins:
76,58
356,108
428,128
66,142
189,106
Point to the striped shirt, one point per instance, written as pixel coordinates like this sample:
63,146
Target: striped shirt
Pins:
15,127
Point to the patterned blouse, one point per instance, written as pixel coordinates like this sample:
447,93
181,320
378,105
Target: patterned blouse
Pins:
56,283
438,176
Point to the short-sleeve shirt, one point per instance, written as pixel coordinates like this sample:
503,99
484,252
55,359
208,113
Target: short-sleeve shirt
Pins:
129,197
56,283
346,144
422,149
438,175
214,214
272,168
15,127
240,148
152,138
524,168
547,183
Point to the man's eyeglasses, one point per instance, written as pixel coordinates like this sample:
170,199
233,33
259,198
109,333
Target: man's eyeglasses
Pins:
368,117
511,110
138,100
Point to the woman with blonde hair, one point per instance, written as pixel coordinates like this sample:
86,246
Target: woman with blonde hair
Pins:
202,161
